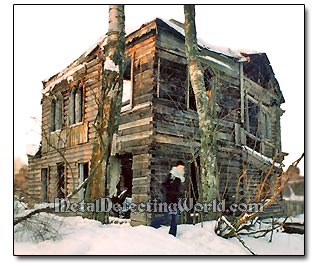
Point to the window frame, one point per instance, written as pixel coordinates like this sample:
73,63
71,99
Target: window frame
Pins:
53,114
184,85
264,128
210,85
78,104
59,112
130,105
72,105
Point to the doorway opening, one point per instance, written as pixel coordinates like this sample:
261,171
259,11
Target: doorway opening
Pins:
195,178
83,173
121,184
126,174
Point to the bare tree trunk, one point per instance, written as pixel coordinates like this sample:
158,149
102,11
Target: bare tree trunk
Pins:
206,112
109,106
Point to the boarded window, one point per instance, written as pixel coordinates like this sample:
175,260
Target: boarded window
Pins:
173,78
127,85
78,104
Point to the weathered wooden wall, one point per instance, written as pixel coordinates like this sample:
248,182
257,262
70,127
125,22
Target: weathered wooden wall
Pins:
34,181
157,131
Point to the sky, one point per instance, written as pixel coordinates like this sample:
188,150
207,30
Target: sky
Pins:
48,38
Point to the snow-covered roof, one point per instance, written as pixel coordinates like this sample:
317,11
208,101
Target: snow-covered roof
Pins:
79,63
72,68
218,49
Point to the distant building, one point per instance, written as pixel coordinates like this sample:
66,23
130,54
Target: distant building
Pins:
159,122
293,194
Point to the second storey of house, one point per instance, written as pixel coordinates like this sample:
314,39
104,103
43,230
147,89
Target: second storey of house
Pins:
158,100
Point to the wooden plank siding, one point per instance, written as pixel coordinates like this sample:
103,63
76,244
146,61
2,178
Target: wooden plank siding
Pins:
156,131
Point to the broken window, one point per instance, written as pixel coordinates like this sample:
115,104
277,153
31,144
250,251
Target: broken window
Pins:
60,185
127,85
172,82
252,125
208,80
227,101
208,76
53,115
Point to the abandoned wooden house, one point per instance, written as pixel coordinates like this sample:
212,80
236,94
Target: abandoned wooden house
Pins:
159,122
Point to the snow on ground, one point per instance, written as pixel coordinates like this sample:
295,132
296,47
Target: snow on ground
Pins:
88,237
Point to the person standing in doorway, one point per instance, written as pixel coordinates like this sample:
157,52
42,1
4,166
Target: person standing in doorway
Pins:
172,189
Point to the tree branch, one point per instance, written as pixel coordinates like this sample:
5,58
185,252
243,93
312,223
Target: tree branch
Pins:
51,209
223,218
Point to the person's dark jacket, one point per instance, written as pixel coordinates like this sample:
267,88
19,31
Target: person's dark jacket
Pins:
172,189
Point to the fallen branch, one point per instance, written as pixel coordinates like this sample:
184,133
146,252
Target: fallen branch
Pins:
51,209
284,178
241,222
223,218
264,231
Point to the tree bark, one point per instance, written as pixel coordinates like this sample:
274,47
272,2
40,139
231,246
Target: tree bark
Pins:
206,112
109,106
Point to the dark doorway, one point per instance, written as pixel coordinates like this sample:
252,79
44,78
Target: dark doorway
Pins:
124,186
125,182
83,170
192,216
195,178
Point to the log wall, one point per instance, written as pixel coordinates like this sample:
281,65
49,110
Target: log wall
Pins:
156,131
